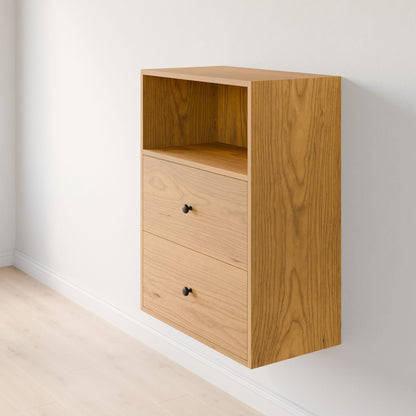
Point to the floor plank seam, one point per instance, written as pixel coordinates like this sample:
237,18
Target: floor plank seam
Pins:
125,322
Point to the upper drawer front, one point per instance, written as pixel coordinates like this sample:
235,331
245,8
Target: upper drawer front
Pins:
217,224
216,310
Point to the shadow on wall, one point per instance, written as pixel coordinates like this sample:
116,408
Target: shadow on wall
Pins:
378,228
376,363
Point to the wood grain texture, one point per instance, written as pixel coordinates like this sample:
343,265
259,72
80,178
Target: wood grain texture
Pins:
295,237
178,112
287,236
215,311
217,224
232,115
227,75
58,359
218,158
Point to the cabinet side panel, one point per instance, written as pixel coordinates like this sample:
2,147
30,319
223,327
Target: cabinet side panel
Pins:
295,217
178,112
232,115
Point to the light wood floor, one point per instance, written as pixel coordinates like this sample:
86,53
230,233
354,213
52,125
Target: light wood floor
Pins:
56,359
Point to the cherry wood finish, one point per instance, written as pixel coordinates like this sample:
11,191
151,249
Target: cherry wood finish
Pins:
214,312
232,115
180,112
217,223
177,112
227,75
265,147
295,244
220,158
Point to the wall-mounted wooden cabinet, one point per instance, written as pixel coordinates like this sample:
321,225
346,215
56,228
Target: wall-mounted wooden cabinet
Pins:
241,216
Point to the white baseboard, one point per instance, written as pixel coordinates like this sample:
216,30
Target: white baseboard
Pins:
6,258
226,379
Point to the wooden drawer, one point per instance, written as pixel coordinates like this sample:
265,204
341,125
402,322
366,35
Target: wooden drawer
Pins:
216,310
217,224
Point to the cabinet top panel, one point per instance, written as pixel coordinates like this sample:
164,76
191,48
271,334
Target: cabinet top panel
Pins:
229,75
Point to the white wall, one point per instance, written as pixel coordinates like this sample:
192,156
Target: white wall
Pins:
7,129
78,168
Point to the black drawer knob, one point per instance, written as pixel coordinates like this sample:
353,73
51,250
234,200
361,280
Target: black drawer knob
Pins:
186,291
186,208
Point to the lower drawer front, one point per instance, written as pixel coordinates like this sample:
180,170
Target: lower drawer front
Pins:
216,310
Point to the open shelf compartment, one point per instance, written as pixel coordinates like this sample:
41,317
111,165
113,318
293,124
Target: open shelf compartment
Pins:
200,124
